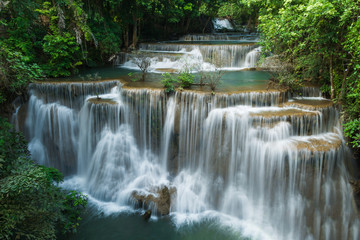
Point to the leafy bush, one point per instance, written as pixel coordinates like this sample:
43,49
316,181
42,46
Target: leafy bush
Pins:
168,82
186,79
32,205
63,52
15,72
352,131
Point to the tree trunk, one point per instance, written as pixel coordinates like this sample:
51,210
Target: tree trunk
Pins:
134,38
332,79
249,23
139,29
188,20
207,22
126,37
343,85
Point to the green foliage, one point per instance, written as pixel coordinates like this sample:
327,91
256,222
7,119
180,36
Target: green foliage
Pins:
15,72
291,80
352,131
134,77
243,12
74,204
320,41
186,79
32,205
62,35
352,99
62,51
168,82
67,25
51,34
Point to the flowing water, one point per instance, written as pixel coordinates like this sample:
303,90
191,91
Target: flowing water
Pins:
197,52
246,165
222,24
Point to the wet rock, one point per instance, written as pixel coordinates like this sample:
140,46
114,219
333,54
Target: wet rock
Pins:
164,201
147,215
355,184
160,197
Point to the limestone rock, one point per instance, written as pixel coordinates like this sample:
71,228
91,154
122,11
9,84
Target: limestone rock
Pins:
161,197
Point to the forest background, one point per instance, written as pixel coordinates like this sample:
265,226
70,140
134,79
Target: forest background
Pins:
315,41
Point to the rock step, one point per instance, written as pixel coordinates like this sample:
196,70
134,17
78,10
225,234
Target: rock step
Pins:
309,103
303,122
318,143
284,113
102,101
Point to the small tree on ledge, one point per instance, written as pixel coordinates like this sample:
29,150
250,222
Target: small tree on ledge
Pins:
143,63
213,79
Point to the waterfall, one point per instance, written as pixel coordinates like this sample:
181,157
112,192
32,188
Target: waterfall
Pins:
201,52
269,167
222,24
168,131
220,37
252,58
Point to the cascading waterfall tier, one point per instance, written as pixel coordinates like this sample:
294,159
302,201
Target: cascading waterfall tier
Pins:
224,56
219,37
69,94
201,52
274,167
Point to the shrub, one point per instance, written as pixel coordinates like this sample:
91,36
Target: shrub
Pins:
186,79
168,82
63,54
15,72
352,131
32,205
213,79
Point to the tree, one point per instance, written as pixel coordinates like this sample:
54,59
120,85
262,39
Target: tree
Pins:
213,79
67,24
143,62
15,73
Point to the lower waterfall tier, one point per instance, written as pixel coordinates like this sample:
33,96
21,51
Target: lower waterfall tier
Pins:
250,160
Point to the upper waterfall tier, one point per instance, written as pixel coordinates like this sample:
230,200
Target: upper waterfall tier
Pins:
220,37
223,56
201,52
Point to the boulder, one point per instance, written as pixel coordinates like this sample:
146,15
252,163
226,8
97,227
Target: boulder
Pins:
160,197
147,215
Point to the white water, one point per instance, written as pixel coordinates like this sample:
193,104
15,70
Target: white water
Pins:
269,172
168,131
201,56
219,37
222,24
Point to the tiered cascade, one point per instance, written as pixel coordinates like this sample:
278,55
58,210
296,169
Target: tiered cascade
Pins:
201,52
249,159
